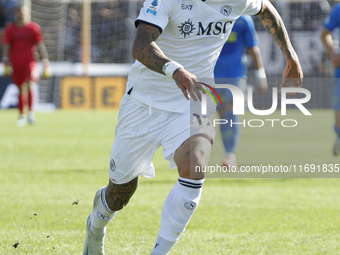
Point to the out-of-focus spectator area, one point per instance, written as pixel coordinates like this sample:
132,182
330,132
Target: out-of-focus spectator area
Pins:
104,32
112,28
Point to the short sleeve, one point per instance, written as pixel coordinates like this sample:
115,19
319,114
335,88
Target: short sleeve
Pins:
333,19
7,35
156,12
250,33
253,7
37,34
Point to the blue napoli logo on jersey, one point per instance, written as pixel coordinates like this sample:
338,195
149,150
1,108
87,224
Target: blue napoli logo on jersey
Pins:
226,10
153,7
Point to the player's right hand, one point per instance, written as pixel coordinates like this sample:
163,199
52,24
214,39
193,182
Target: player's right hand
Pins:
188,83
47,74
47,70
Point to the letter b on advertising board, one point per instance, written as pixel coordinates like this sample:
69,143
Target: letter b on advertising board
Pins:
87,92
76,93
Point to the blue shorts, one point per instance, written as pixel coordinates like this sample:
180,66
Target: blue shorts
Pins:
336,91
225,94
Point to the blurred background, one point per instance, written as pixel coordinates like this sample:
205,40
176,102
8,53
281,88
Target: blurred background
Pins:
89,46
49,173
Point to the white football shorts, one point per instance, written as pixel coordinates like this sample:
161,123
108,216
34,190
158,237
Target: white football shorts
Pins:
141,130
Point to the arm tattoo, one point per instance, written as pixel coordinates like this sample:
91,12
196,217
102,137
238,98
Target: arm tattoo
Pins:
146,51
274,25
192,146
118,195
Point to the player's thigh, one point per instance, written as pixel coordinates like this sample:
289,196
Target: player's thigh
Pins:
193,153
23,87
18,78
31,85
188,139
25,74
136,141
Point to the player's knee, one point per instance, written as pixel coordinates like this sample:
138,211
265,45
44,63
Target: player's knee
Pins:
188,169
23,89
199,157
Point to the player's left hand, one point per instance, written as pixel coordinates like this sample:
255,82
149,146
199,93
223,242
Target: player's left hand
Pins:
8,70
292,74
188,83
7,66
47,73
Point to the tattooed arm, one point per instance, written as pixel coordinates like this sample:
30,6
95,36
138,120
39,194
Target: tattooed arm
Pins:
273,23
146,51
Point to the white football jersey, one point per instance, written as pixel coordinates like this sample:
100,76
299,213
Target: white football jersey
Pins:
193,34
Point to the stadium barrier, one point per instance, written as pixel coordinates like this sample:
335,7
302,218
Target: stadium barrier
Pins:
87,92
102,87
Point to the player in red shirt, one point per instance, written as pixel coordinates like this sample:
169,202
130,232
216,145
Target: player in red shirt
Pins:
20,42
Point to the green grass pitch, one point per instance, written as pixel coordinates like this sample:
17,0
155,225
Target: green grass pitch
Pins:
46,168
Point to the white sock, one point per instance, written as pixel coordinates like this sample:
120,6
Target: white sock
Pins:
101,214
178,208
162,246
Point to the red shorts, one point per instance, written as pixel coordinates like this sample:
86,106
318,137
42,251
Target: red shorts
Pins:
24,73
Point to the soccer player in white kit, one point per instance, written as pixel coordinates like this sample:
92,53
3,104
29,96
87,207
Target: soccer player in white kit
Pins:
176,46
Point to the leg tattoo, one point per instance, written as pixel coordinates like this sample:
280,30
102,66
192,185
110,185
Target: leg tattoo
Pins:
118,195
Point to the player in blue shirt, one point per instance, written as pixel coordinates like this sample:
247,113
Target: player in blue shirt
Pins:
231,68
332,22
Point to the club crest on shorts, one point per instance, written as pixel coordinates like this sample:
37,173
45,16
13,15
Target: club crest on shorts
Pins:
226,10
190,205
112,165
